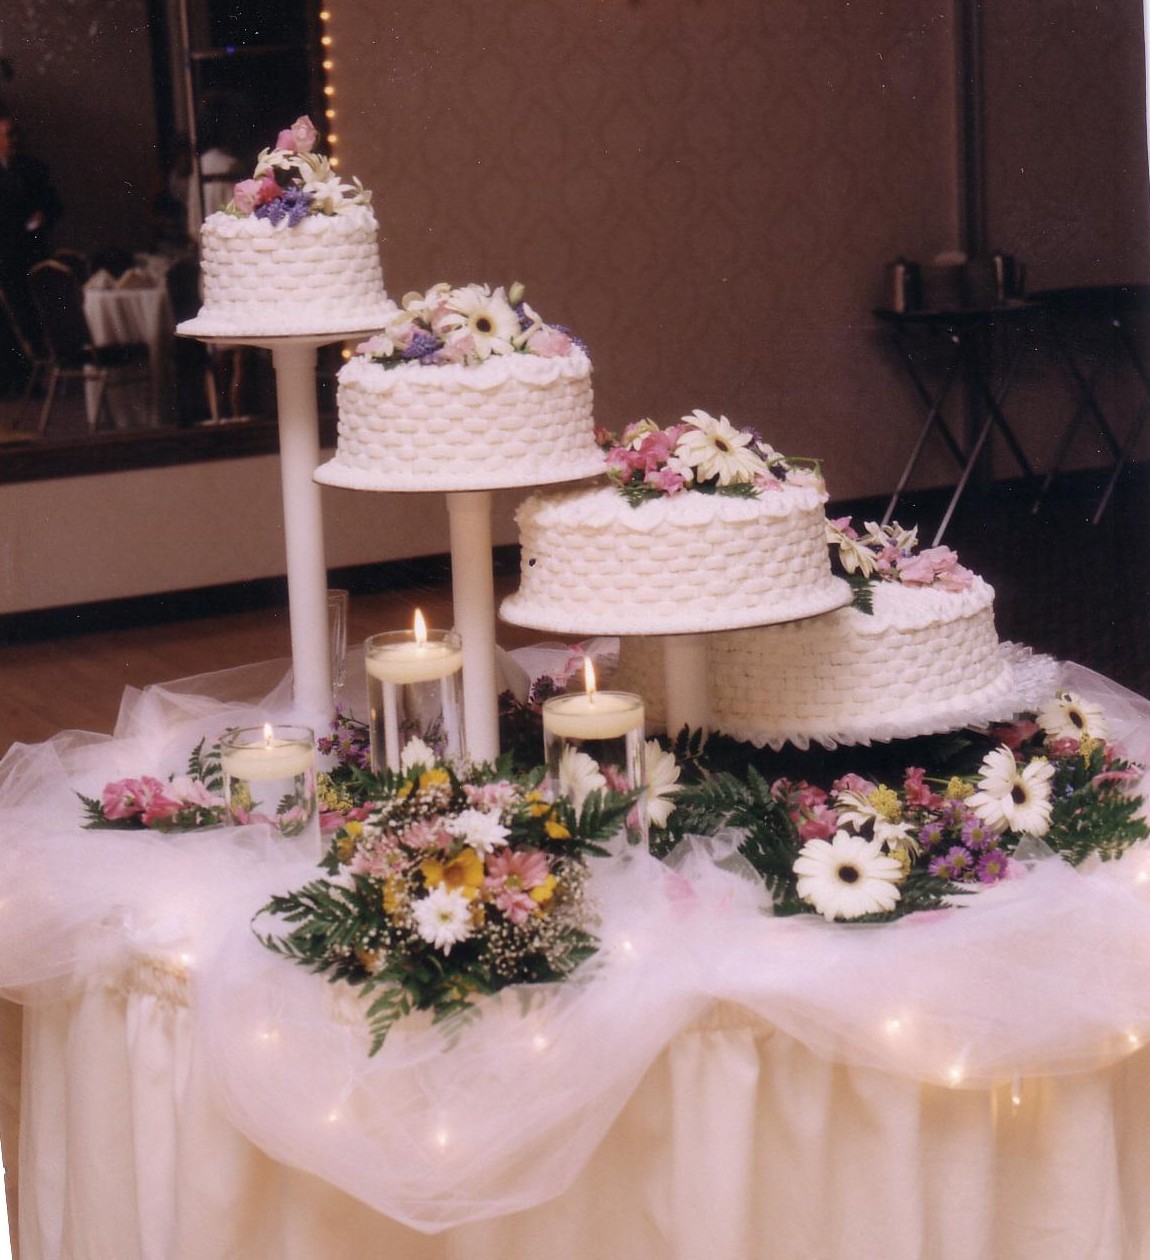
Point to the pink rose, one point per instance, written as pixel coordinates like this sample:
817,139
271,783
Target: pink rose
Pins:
820,823
245,195
269,189
122,799
156,805
665,479
549,343
918,791
300,137
917,570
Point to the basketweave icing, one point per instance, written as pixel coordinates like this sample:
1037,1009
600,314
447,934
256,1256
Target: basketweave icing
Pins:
512,420
927,660
320,275
593,564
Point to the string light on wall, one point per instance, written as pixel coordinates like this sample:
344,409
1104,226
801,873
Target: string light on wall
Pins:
327,64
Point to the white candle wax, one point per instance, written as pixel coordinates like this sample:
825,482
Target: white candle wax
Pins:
413,662
593,715
261,760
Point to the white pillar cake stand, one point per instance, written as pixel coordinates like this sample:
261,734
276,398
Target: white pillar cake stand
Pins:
294,360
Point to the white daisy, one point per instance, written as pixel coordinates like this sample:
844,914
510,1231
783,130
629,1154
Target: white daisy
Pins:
579,776
481,831
717,451
443,917
1011,796
660,782
847,877
487,316
1068,716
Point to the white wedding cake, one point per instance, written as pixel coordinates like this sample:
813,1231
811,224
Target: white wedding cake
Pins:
706,528
295,252
918,655
464,389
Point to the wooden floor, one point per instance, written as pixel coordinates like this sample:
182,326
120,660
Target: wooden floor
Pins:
1065,586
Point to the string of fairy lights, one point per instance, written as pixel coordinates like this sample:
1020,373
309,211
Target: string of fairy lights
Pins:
327,63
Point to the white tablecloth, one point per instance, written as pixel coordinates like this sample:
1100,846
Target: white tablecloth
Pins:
118,316
724,1086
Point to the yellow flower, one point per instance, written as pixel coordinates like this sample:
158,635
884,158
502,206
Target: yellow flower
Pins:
433,778
958,789
392,896
464,872
885,803
542,893
556,830
536,805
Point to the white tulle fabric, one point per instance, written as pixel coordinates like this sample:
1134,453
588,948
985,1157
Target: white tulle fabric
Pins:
147,995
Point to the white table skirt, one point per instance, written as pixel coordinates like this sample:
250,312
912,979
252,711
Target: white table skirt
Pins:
739,1143
724,1086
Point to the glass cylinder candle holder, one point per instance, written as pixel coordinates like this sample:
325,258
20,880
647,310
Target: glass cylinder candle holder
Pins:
414,691
595,740
269,776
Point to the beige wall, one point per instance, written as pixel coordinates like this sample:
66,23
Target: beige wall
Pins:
708,192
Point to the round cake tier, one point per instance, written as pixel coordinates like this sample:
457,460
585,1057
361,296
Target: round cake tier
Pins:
925,661
512,420
260,279
684,564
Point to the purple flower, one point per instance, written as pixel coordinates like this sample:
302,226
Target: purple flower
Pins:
930,834
977,835
421,345
954,864
293,204
992,866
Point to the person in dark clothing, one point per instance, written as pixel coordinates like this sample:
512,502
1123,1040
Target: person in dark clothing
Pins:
29,207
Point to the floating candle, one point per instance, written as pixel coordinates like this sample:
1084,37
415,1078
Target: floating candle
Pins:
258,756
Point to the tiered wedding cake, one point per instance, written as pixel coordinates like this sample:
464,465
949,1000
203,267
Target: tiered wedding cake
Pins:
464,389
295,252
707,528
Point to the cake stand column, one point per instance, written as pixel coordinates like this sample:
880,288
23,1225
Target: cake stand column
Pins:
295,363
473,594
685,674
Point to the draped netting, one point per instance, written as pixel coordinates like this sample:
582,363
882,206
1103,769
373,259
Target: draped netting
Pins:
1041,975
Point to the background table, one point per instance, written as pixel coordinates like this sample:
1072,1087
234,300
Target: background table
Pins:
118,316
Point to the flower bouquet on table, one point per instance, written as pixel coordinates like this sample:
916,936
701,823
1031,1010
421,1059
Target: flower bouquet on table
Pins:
702,453
873,845
179,803
448,884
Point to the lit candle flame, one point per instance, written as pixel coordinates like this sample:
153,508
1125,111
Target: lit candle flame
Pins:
269,735
419,628
589,678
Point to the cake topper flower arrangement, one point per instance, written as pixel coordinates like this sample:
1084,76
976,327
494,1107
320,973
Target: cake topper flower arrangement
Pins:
466,325
883,843
451,883
703,453
291,181
890,553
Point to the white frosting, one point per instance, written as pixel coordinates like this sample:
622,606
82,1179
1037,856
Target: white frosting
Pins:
513,420
263,279
927,660
687,563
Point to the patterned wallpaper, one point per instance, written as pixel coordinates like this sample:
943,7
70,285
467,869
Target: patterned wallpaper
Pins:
708,192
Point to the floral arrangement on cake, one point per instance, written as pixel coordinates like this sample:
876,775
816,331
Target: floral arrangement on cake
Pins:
464,325
702,453
446,885
178,803
291,181
890,553
873,847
